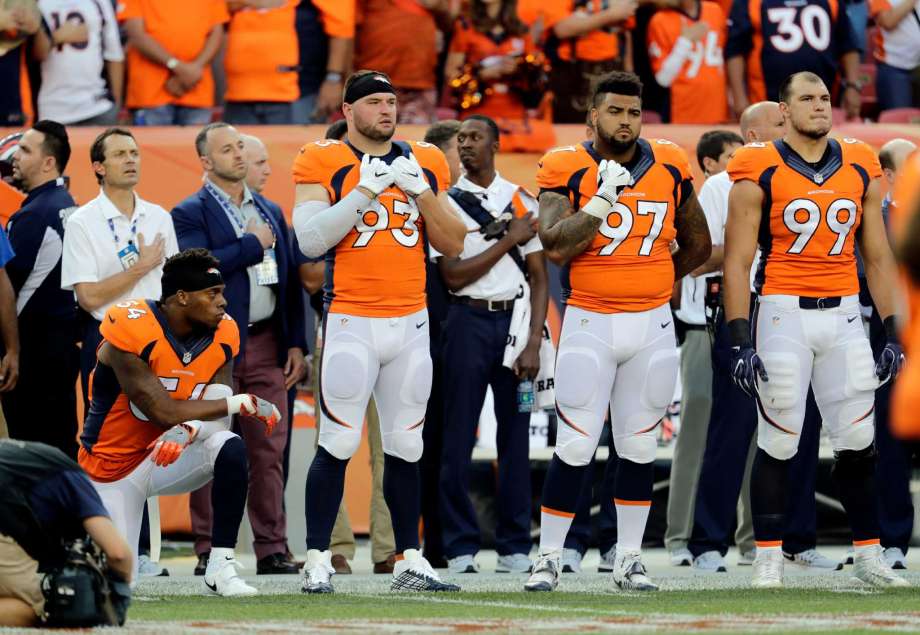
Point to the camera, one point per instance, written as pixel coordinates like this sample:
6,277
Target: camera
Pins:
80,592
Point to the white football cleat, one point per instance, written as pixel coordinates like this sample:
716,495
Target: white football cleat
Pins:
607,560
768,569
710,562
895,558
462,564
629,572
414,573
813,560
222,579
545,574
681,557
571,561
318,572
870,566
514,563
147,568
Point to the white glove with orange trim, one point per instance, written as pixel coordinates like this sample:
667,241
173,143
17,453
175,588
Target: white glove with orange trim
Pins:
169,445
253,406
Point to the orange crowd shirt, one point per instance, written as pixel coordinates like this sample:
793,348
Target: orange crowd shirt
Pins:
597,46
116,434
378,268
182,28
628,265
480,49
807,237
697,93
262,55
399,38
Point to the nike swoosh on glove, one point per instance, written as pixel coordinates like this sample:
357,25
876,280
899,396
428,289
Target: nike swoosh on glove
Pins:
889,362
409,176
169,445
746,366
376,176
253,406
612,180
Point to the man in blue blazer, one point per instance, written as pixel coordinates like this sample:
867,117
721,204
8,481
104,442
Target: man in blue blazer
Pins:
250,237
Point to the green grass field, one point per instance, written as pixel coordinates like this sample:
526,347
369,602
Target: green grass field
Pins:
492,603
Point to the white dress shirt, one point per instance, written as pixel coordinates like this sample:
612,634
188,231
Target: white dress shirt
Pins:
503,281
91,245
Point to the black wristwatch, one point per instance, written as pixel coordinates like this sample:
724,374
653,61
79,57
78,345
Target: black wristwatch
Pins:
857,85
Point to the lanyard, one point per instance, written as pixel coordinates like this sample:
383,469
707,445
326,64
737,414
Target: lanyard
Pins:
133,229
231,211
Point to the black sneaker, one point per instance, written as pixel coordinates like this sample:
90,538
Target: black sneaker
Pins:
276,563
202,565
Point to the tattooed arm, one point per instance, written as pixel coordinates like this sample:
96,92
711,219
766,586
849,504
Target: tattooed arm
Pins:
565,234
692,237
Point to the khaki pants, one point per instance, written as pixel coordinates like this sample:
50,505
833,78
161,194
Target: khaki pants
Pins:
342,540
19,575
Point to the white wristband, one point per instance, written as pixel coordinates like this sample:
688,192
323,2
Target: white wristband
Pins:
598,206
235,403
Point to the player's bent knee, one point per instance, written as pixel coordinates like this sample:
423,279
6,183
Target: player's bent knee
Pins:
855,437
231,452
638,448
860,369
342,444
217,440
779,445
660,380
416,387
576,451
784,388
576,371
344,374
404,444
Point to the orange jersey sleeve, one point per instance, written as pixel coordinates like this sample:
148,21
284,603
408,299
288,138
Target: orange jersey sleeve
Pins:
127,326
434,165
750,161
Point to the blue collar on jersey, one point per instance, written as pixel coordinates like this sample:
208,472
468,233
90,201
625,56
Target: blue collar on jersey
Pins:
818,172
642,160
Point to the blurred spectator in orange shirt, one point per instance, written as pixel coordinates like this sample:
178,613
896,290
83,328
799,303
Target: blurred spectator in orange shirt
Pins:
399,38
583,41
685,49
491,41
260,62
325,34
170,47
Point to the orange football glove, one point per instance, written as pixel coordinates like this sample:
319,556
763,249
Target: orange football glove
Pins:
169,445
253,406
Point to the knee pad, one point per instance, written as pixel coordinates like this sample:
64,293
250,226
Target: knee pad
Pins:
575,449
779,445
576,370
784,388
416,387
855,429
638,448
345,370
342,443
404,444
860,369
660,380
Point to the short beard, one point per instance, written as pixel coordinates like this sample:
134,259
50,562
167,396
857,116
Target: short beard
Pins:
815,133
372,133
616,146
229,176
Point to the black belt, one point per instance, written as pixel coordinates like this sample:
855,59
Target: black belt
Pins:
256,328
488,305
819,303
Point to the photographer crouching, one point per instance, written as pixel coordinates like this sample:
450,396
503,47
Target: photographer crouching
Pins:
62,562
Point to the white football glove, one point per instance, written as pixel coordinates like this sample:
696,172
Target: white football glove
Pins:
613,178
168,446
376,176
409,176
253,406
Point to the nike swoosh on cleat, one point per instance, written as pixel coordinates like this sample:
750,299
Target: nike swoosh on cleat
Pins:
213,587
850,319
418,326
665,325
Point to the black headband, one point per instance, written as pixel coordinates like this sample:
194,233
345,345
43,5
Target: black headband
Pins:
189,280
368,85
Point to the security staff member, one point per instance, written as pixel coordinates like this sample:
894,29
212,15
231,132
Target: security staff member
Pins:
49,358
484,282
46,500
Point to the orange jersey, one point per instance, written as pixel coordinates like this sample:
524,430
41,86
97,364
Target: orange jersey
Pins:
378,269
702,71
628,266
808,234
480,49
261,55
598,45
116,435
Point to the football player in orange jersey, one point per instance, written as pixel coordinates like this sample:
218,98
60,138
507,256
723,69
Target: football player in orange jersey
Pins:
609,211
369,204
808,200
160,409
